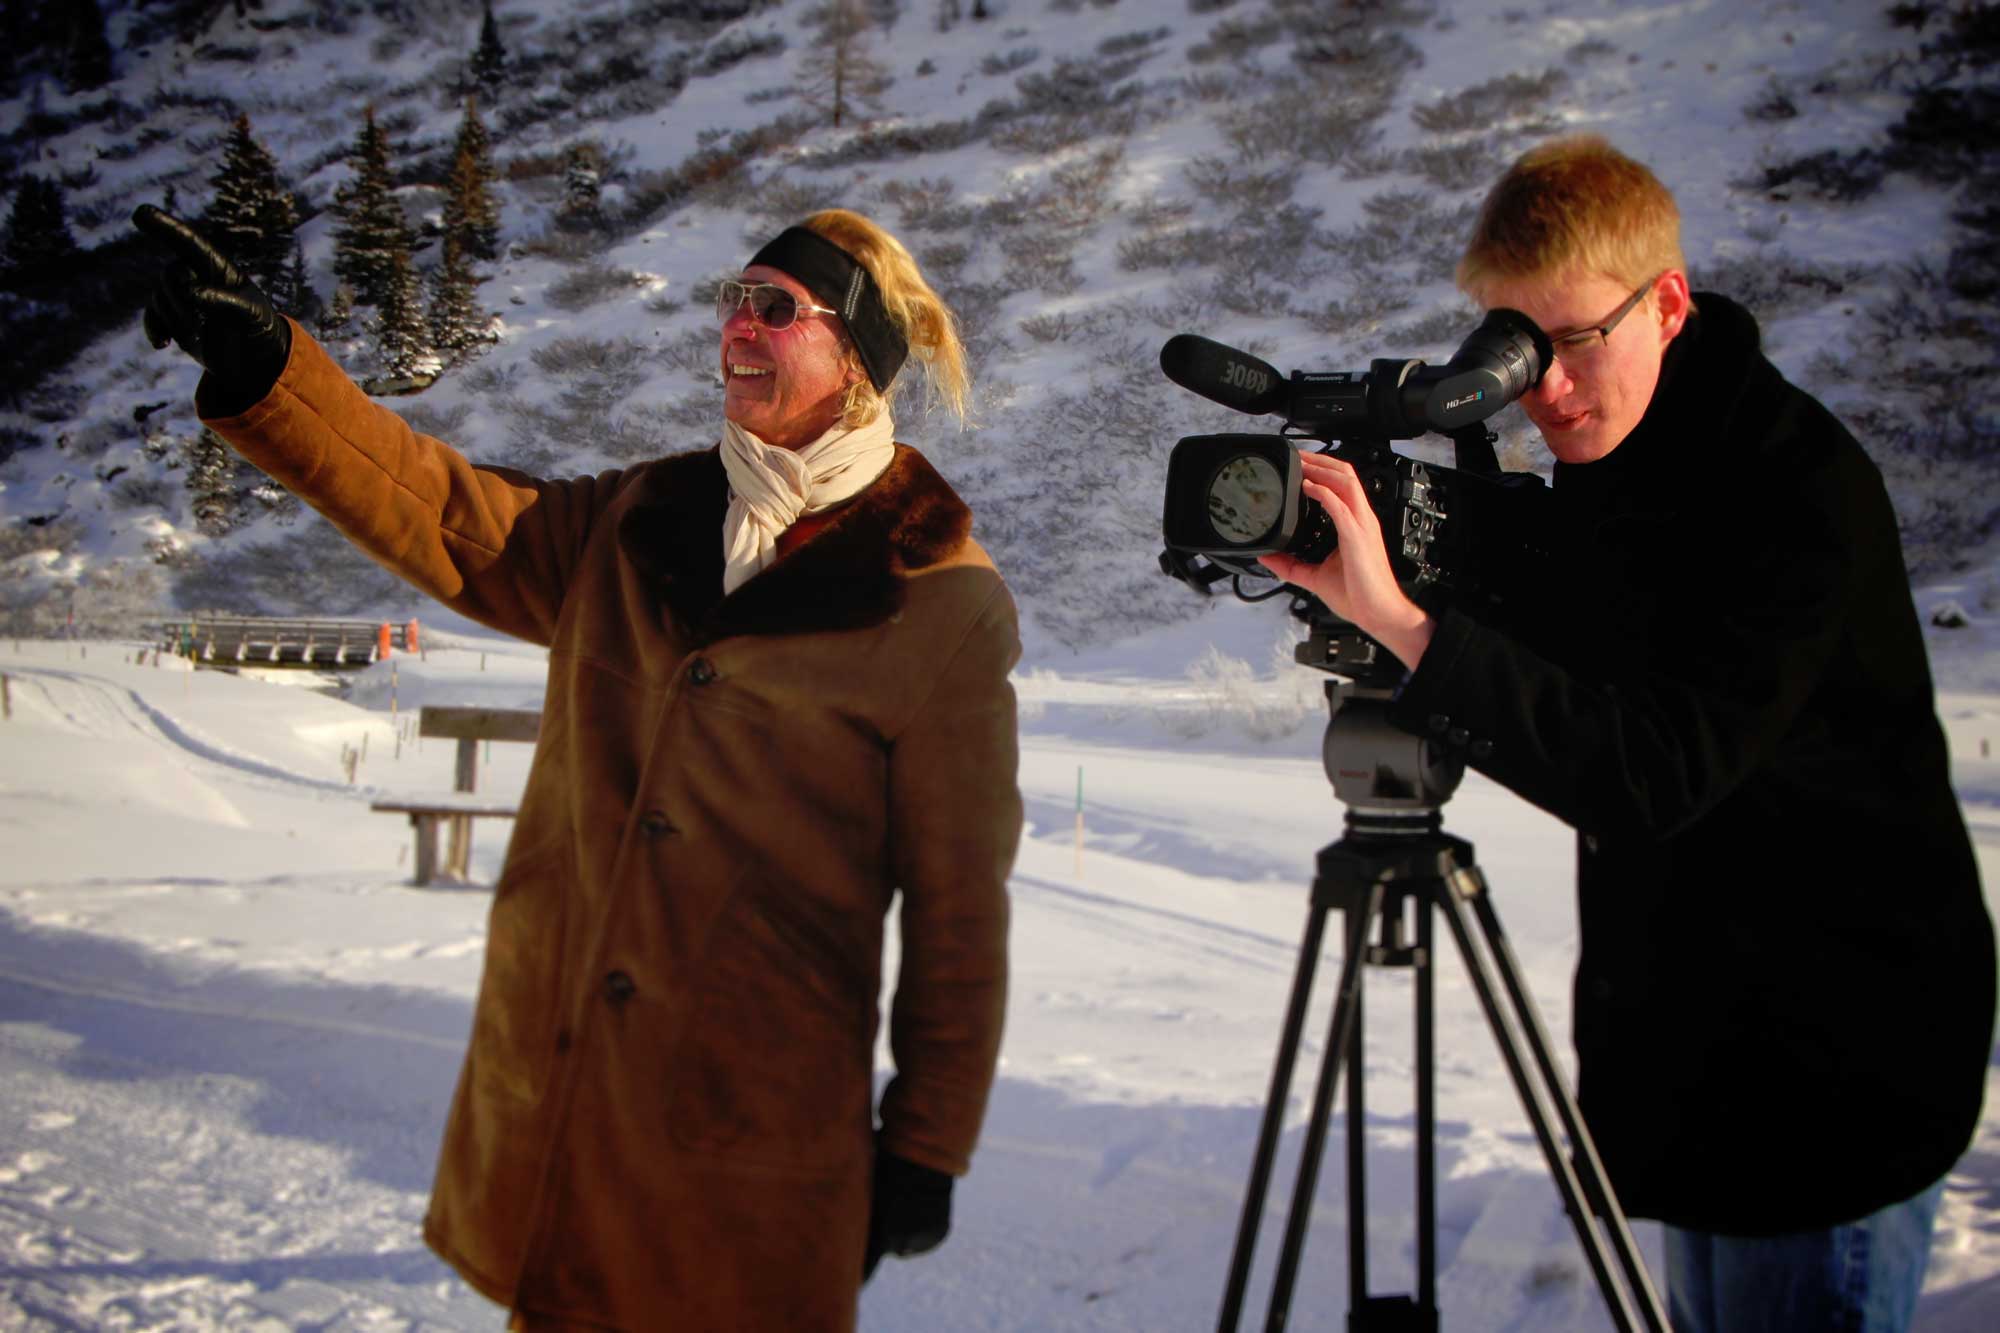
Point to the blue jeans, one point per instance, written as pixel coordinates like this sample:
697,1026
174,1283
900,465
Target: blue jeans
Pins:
1859,1277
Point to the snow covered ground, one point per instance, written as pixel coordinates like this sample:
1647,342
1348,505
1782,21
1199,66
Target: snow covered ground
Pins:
229,1026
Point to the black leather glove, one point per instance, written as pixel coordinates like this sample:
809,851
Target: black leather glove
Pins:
911,1213
217,315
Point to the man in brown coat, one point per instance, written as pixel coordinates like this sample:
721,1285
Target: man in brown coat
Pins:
777,698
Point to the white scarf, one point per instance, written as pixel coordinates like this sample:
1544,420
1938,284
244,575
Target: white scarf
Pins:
769,487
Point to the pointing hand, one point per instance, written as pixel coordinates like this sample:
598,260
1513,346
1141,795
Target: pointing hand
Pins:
217,315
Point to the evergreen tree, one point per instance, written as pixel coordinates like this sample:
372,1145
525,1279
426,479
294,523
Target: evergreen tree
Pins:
457,324
489,59
294,292
336,319
372,236
87,62
253,216
36,239
470,215
583,188
214,481
400,336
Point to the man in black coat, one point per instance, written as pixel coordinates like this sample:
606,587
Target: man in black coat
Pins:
1785,997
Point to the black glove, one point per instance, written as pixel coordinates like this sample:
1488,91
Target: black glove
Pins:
217,315
911,1213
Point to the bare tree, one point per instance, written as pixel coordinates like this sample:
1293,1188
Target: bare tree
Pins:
839,75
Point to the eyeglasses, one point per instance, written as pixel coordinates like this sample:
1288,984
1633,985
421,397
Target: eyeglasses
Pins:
770,305
1583,342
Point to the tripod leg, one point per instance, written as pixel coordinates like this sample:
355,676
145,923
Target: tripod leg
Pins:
1357,1167
1274,1116
1460,885
1343,1045
1596,1184
1426,1116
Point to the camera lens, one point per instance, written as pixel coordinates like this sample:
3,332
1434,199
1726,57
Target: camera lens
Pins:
1245,499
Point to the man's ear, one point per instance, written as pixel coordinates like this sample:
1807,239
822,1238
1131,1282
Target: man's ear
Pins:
1672,302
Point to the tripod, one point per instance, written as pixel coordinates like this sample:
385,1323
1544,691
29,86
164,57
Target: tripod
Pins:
1395,854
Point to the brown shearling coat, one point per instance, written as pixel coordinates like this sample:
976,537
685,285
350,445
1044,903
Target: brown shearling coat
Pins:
664,1119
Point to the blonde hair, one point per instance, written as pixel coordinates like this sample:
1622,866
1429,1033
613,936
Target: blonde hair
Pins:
1574,203
917,311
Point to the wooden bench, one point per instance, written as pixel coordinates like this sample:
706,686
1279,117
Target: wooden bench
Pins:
427,812
457,809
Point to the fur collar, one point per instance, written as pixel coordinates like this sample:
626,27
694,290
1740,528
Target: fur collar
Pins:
849,575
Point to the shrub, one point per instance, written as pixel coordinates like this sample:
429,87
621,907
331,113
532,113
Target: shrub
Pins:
647,431
35,534
1773,284
1189,247
1360,314
1297,120
943,261
732,49
1007,62
1439,333
1076,192
782,200
1221,182
312,569
1838,175
687,422
1041,136
1234,39
925,204
438,423
1077,87
1053,328
590,284
1465,165
1131,43
1486,105
1775,105
595,372
695,352
1041,259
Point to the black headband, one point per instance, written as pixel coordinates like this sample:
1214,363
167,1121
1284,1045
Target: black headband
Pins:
837,279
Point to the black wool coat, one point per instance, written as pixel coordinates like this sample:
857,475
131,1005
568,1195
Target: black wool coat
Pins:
1784,1001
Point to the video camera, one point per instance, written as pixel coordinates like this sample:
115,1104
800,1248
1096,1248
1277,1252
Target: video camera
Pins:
1231,498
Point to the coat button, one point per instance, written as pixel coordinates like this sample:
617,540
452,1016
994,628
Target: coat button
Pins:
701,671
1600,988
1458,736
655,824
1482,748
1438,723
618,987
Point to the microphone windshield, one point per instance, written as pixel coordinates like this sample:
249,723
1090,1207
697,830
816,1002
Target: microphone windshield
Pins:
1224,375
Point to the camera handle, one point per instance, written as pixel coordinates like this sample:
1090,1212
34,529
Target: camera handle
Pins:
1394,854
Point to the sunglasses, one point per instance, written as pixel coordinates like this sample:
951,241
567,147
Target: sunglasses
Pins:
770,305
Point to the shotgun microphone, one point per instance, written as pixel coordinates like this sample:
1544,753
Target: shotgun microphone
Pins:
1224,375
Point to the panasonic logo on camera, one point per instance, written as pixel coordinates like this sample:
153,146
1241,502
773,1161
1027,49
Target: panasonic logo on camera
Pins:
1242,377
1469,398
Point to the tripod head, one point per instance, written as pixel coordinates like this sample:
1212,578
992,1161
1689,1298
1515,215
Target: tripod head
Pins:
1391,782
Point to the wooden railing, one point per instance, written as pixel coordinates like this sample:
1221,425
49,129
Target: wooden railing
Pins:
282,641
